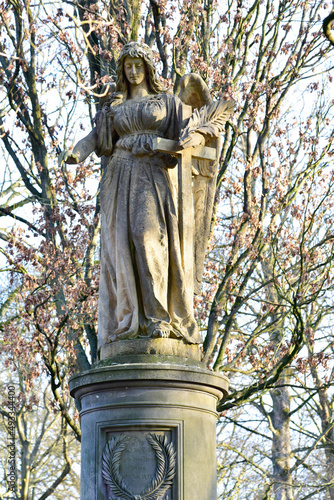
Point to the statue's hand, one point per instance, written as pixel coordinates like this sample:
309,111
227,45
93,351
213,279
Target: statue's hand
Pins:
68,156
194,139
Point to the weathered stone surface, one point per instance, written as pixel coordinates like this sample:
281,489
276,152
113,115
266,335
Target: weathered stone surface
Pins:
138,400
154,475
157,347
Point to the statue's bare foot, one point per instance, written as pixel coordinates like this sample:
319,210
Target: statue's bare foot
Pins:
160,334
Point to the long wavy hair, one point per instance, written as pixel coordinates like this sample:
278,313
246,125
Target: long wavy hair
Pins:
138,49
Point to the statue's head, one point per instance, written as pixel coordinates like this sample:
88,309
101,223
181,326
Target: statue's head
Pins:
142,51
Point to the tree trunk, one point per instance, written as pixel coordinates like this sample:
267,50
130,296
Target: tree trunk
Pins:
281,447
325,414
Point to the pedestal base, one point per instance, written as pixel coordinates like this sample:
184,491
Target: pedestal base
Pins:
148,429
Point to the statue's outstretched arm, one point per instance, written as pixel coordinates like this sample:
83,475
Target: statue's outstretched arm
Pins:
81,150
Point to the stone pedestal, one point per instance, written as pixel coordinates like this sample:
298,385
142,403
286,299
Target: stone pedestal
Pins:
148,423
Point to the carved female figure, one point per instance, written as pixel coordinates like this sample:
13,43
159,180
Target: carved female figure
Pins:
142,285
142,288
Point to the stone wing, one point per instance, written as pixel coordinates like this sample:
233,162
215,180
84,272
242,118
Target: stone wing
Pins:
194,92
204,189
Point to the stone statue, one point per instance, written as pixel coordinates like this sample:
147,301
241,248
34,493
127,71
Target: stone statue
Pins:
145,289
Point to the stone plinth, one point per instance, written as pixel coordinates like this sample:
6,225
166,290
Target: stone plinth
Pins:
148,424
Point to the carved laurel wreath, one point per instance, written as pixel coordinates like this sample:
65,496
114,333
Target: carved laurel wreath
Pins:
164,473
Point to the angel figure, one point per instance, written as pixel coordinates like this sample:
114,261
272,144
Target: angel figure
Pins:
143,290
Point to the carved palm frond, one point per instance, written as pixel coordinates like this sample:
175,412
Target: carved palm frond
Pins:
209,120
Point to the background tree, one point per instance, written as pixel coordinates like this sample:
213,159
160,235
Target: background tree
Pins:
266,300
46,451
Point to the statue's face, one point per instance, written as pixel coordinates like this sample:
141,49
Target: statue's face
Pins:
134,69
